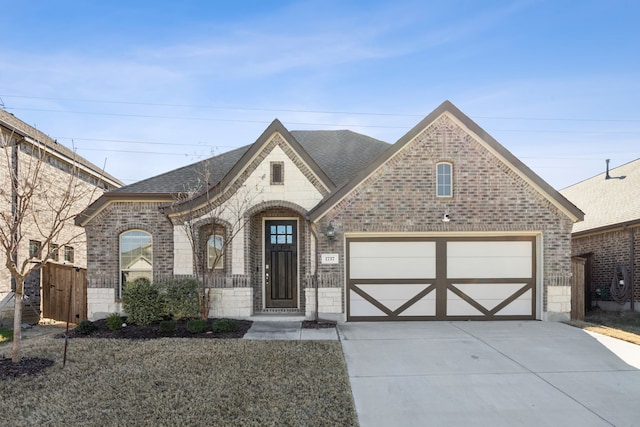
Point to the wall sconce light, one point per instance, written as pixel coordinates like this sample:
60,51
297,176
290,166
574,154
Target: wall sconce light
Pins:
446,218
330,232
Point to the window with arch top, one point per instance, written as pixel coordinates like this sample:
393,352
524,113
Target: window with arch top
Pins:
136,257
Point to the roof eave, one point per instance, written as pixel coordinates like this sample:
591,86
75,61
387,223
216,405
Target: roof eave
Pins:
99,204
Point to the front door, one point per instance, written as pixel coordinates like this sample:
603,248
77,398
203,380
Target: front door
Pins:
281,264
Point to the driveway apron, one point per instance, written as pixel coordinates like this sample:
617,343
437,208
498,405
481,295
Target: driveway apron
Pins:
520,373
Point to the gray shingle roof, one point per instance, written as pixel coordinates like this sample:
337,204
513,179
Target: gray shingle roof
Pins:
607,202
340,154
11,122
179,180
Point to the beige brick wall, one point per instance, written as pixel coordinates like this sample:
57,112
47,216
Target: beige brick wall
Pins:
53,181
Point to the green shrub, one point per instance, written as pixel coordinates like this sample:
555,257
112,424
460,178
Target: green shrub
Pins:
196,326
168,325
114,322
6,334
141,300
181,299
86,327
224,325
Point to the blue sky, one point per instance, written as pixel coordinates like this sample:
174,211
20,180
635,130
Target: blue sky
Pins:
143,87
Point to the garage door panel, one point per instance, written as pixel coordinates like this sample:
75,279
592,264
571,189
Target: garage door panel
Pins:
360,307
520,307
393,268
387,260
489,291
426,306
400,249
484,260
456,306
393,297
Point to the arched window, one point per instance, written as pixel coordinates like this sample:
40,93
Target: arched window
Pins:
136,257
444,179
215,256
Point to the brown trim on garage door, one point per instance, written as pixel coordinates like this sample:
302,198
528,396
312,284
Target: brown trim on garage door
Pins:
446,289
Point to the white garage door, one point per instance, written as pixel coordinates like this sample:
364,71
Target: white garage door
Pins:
441,278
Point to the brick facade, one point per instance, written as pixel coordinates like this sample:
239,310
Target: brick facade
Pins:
104,231
606,250
400,197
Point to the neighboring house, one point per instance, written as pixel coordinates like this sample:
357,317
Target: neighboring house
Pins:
609,238
19,143
443,224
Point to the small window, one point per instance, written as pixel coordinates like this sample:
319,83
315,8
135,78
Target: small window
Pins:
53,252
34,249
214,252
277,172
68,254
444,183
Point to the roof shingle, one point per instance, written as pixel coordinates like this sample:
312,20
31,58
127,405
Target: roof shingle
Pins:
607,202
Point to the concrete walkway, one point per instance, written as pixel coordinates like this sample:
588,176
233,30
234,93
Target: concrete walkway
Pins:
272,328
490,374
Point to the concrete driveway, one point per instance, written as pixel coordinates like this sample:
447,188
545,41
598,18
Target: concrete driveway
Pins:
490,374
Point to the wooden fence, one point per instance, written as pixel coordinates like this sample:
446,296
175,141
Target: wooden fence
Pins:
64,293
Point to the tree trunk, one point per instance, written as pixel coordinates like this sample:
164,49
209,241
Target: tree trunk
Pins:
16,353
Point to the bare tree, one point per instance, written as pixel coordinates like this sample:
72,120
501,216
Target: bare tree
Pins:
204,210
42,208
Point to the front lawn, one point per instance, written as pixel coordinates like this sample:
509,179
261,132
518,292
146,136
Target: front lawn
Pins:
174,381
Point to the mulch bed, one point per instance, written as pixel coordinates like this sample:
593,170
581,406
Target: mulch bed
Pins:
32,366
135,332
27,366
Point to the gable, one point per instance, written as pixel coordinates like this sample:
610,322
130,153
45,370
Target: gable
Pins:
482,167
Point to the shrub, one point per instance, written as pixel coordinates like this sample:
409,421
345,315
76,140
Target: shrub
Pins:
168,325
181,299
141,300
196,326
86,327
6,334
114,322
224,325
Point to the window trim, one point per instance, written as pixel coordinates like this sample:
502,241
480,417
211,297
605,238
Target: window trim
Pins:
120,267
440,185
273,167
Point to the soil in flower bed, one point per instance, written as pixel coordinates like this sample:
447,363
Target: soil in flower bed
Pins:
27,366
320,324
153,331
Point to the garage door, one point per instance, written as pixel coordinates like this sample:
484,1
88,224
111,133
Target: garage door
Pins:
453,278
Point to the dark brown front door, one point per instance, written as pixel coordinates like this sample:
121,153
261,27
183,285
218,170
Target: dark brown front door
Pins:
281,263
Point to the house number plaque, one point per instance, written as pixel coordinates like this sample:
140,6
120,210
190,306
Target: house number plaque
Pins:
329,258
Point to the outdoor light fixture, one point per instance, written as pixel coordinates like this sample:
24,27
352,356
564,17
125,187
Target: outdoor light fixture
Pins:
330,232
446,218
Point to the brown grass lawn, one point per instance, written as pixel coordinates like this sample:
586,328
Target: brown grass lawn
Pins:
185,382
622,325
